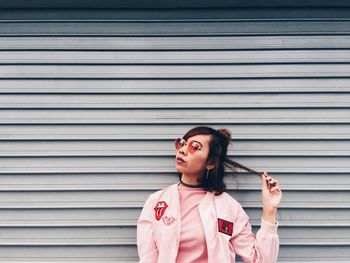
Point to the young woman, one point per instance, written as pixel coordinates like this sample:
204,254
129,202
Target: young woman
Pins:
195,220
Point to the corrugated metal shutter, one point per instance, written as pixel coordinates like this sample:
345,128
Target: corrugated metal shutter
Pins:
89,111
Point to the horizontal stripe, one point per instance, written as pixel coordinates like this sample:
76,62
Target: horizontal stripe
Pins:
79,132
180,116
184,28
175,43
161,164
135,199
160,148
170,71
176,86
165,4
175,57
125,253
126,236
293,181
176,14
86,217
175,101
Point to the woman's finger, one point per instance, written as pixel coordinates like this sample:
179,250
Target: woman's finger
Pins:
264,180
273,182
275,188
271,179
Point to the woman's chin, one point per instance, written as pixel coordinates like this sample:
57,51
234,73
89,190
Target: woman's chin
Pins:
179,168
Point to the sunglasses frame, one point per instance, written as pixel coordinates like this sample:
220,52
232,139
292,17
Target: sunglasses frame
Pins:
189,145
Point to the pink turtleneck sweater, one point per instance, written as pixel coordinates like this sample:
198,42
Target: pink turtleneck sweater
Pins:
192,247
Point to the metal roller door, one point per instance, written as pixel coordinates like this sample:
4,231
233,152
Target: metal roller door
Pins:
89,109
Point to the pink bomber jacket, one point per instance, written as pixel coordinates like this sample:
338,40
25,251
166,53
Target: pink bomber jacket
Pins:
226,228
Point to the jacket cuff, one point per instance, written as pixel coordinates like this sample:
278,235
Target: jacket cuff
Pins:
268,227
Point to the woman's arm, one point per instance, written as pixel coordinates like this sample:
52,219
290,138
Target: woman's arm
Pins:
264,247
271,197
146,245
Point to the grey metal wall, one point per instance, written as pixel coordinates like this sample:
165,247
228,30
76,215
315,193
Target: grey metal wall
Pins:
89,110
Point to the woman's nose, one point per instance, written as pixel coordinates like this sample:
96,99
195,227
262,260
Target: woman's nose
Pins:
183,149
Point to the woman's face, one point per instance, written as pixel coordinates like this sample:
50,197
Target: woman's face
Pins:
193,163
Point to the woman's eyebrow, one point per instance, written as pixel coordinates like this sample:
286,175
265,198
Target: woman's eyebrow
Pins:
198,142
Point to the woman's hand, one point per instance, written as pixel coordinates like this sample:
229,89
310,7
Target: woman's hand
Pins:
271,193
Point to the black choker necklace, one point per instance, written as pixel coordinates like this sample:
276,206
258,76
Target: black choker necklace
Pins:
191,185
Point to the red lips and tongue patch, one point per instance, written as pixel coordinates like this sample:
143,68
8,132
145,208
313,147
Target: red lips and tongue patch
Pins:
160,209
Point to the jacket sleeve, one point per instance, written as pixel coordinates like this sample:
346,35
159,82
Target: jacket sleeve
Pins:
146,244
262,248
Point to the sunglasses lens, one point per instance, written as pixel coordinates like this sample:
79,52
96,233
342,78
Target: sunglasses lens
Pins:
178,143
193,147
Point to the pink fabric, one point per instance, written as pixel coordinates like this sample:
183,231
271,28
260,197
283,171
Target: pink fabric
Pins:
158,240
192,246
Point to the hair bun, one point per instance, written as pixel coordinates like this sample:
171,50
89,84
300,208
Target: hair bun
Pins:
225,133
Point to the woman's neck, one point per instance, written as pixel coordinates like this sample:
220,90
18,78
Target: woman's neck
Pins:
189,181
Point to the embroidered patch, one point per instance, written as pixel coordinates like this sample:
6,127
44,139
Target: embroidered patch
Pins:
225,227
160,209
168,220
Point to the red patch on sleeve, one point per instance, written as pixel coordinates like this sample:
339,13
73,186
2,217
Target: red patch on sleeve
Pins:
160,209
225,227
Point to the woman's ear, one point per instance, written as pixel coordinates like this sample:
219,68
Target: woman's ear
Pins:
210,165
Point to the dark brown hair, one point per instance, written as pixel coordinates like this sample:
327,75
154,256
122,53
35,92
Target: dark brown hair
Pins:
218,144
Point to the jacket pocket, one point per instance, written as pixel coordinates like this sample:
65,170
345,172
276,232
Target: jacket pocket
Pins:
165,233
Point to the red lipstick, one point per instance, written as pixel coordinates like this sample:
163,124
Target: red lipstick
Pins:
179,160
